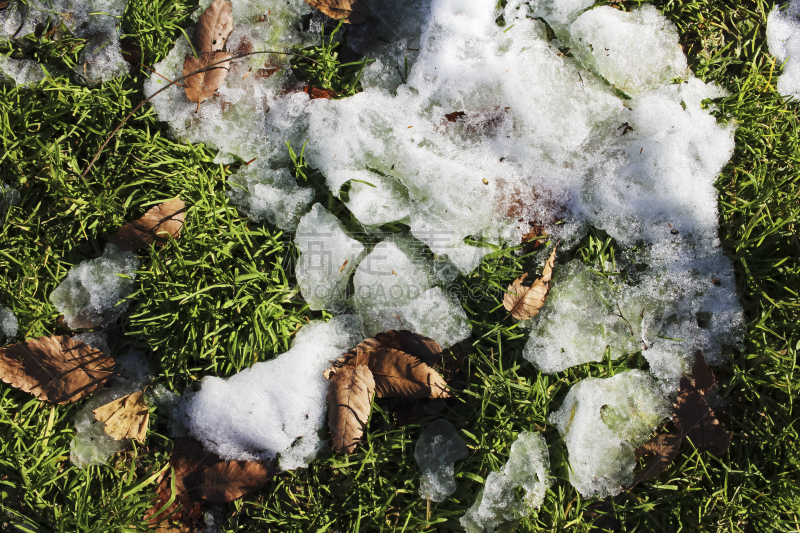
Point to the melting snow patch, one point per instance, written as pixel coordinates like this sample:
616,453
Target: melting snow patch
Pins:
783,39
22,71
603,421
272,195
93,293
500,500
437,450
8,324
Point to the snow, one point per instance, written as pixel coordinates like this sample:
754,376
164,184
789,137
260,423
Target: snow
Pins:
22,71
501,499
271,195
783,40
275,408
328,257
437,450
95,20
91,445
8,324
92,294
602,422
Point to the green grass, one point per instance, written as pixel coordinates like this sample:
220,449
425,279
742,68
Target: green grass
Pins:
222,297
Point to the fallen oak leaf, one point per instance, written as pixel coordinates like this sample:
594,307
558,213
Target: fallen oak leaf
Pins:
401,375
202,85
664,448
423,348
57,369
228,481
126,417
214,27
704,379
525,302
155,227
695,420
349,402
352,11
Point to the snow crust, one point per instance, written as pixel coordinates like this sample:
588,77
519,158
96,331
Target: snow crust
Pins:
528,469
271,195
95,20
275,408
783,40
21,71
437,450
8,324
92,294
603,421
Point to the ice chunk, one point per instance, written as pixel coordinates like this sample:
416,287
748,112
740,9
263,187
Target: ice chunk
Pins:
97,340
558,13
273,195
93,293
275,408
101,59
579,322
328,256
602,421
91,445
437,450
783,39
375,199
22,71
636,50
8,324
500,501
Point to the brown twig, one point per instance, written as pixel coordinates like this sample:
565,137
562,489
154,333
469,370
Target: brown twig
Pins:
157,74
171,83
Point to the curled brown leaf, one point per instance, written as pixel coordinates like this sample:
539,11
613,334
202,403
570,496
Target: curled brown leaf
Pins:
352,11
126,417
228,481
214,27
525,302
203,85
349,402
155,227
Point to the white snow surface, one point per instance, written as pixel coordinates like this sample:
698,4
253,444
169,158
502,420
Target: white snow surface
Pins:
528,468
92,294
783,40
272,195
438,448
95,20
603,421
22,71
8,324
274,408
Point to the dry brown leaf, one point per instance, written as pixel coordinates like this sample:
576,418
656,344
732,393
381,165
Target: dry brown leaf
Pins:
400,375
349,402
704,379
201,86
352,11
525,302
664,448
423,348
57,369
228,481
695,420
185,511
315,93
214,27
154,227
126,417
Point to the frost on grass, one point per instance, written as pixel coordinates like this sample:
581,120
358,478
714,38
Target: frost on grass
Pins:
328,257
783,39
91,445
20,71
602,422
437,450
8,324
93,293
271,195
516,490
274,408
94,20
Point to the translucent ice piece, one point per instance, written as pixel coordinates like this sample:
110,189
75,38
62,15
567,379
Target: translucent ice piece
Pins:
437,450
528,468
273,195
276,407
93,293
327,258
602,421
636,50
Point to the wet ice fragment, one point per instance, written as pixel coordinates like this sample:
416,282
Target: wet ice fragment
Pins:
328,256
783,39
501,500
272,195
8,324
101,59
602,422
92,294
274,408
437,450
636,50
21,71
